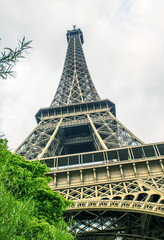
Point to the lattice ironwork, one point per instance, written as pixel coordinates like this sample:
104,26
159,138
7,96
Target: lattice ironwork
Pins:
51,136
112,225
115,180
121,210
136,190
76,85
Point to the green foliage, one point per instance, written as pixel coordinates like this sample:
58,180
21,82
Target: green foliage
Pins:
29,209
14,215
9,58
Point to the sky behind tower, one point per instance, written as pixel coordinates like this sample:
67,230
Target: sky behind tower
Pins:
124,50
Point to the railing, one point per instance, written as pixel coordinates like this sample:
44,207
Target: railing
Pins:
112,156
69,110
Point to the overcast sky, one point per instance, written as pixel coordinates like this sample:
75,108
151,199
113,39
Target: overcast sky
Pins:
124,50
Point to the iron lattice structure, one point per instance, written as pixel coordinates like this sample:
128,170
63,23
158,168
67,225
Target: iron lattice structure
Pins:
76,85
115,180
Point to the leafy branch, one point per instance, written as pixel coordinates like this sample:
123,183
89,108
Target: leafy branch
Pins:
10,57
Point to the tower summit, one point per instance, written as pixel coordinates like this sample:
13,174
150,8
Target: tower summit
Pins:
115,180
76,85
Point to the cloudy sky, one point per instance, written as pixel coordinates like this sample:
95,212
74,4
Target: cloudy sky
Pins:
123,46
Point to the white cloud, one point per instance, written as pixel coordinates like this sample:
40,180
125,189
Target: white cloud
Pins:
124,49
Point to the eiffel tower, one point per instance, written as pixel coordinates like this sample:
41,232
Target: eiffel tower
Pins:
115,180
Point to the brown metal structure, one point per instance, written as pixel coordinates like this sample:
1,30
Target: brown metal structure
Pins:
115,180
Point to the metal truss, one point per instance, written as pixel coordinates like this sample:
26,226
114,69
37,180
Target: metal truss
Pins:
122,210
114,225
136,190
115,200
76,85
35,143
97,124
49,137
115,180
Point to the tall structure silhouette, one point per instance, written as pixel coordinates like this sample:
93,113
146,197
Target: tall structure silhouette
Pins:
116,180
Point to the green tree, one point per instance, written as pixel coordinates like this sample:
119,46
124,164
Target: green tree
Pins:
29,209
10,57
